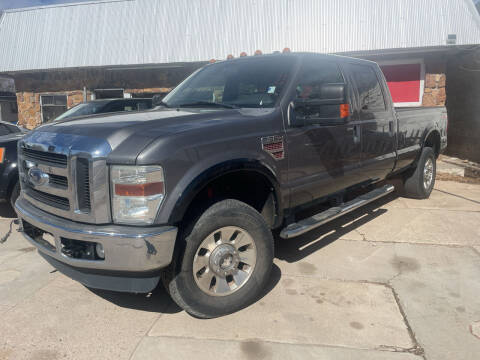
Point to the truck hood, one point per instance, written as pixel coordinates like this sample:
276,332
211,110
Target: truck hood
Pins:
130,133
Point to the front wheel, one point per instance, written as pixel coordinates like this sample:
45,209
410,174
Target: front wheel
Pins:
225,261
14,194
419,185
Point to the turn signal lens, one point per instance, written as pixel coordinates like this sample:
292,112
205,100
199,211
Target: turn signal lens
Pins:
344,110
2,154
139,189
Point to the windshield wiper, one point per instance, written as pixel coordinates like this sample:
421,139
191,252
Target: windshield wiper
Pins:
207,103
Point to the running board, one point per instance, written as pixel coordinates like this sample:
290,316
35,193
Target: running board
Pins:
319,219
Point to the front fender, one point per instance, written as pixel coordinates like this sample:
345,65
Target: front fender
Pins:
198,177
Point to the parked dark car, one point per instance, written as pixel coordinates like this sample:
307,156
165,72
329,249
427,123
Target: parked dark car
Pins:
190,192
106,106
9,185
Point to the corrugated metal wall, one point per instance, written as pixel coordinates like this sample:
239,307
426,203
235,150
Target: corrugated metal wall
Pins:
163,31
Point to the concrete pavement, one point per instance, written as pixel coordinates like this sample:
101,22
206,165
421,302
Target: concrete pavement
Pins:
396,280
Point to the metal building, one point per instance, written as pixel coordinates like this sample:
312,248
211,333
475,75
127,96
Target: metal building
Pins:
64,54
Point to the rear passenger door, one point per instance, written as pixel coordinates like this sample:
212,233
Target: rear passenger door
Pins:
378,123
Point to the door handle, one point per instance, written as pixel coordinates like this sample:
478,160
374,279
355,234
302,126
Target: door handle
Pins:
356,134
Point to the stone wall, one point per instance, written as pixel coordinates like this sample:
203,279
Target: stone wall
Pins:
29,114
435,83
29,108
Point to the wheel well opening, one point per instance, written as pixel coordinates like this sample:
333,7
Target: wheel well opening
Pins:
433,141
250,187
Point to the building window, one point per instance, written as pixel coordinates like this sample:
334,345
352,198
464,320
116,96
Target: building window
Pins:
405,81
52,106
14,107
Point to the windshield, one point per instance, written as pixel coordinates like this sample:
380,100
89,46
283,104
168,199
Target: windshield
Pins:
253,83
82,109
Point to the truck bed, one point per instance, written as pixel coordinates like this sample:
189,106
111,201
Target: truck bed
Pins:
414,124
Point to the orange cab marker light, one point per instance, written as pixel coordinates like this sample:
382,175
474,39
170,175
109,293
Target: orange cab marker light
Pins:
2,154
243,53
344,110
258,52
229,57
212,61
139,189
286,50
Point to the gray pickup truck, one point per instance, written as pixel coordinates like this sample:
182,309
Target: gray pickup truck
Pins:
188,193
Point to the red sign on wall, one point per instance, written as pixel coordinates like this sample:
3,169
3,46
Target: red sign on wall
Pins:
403,82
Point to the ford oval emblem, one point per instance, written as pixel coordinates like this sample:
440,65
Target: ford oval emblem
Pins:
37,177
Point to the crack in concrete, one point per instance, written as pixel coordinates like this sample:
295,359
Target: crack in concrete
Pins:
455,246
145,335
475,250
417,349
383,348
363,235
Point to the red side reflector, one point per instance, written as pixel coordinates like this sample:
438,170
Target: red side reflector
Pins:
286,50
258,52
139,189
344,110
243,53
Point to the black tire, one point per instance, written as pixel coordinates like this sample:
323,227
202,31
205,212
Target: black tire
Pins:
414,185
14,194
179,278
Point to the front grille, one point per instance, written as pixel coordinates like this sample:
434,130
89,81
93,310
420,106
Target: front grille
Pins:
83,185
47,158
49,199
60,181
72,191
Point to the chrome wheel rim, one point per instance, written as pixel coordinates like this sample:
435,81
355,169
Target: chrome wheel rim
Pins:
428,174
224,261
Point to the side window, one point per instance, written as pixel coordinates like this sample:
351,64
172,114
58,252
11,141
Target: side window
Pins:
12,128
3,130
311,92
369,90
118,106
313,75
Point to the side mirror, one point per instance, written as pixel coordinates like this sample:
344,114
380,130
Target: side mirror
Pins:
326,105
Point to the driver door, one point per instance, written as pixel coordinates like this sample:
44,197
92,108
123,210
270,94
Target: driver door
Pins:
323,158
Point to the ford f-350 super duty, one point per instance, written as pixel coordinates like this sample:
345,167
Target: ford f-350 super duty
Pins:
188,193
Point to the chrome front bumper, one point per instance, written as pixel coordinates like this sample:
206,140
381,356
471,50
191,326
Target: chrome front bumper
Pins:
127,248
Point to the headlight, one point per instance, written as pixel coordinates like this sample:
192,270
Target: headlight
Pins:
137,192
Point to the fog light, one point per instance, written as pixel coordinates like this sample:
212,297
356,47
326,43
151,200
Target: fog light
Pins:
100,251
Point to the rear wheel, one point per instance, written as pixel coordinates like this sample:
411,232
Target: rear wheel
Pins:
419,185
224,263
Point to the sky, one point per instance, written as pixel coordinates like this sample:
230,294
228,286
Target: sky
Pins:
12,4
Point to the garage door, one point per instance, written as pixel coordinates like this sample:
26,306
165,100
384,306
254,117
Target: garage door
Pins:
405,83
